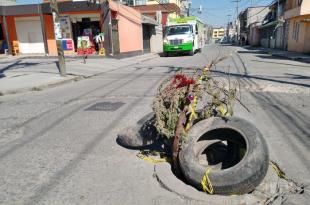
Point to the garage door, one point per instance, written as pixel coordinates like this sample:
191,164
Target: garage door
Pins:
29,35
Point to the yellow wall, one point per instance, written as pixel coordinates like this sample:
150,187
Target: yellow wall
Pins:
218,32
302,44
305,7
293,10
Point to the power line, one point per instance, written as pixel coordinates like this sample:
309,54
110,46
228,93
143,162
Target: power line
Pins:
263,9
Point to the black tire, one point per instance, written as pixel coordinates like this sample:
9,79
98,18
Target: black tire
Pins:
192,52
239,178
165,54
142,134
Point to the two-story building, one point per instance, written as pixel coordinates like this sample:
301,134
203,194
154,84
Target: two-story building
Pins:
298,16
29,29
252,16
218,33
273,28
160,10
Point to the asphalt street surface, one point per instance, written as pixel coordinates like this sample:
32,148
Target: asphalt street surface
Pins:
58,146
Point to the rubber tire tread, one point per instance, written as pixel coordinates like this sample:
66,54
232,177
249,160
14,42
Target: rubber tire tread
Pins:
239,179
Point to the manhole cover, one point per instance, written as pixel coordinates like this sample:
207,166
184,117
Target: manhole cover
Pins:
105,106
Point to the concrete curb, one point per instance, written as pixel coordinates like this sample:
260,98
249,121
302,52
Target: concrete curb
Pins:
294,58
271,186
302,58
75,57
74,78
165,177
40,87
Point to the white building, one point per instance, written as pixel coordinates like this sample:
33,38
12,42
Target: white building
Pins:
7,2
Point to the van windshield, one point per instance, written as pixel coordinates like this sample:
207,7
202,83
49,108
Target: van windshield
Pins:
176,30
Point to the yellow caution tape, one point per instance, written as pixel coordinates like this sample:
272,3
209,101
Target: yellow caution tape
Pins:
222,110
277,169
206,183
151,159
192,108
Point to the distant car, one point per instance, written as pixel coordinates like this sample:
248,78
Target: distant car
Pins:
224,40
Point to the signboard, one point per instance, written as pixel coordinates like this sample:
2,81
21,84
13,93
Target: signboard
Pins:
65,26
83,42
67,44
57,28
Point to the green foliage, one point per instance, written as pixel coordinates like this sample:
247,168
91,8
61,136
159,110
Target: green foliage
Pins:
171,99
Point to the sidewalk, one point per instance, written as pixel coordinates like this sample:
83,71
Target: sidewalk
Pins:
23,75
282,54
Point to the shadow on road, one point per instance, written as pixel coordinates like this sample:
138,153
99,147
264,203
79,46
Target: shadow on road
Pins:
308,66
261,78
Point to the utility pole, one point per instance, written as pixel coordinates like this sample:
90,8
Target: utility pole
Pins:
278,10
189,3
237,6
227,32
57,30
237,12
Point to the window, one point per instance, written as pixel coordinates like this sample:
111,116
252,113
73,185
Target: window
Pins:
176,30
296,28
297,3
140,2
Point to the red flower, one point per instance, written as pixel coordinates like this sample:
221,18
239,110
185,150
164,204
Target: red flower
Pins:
181,80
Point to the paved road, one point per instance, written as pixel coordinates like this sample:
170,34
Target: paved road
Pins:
54,149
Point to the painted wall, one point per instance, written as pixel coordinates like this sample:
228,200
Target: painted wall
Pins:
302,44
218,33
11,29
254,39
50,36
305,7
157,39
293,10
256,14
130,28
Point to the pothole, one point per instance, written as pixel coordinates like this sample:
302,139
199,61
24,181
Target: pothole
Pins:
272,190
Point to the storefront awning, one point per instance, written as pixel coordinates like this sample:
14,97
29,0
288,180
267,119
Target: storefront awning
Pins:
270,24
149,20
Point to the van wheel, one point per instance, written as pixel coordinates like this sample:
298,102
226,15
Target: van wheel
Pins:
192,52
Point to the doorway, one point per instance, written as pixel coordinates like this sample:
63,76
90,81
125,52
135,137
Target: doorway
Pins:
307,37
86,27
146,37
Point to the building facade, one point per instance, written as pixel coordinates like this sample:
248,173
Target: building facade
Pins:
218,33
29,29
273,27
246,19
297,15
160,10
7,2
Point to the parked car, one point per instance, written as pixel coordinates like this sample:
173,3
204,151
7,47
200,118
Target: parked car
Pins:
224,40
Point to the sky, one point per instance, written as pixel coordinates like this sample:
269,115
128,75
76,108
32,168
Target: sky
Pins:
214,12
